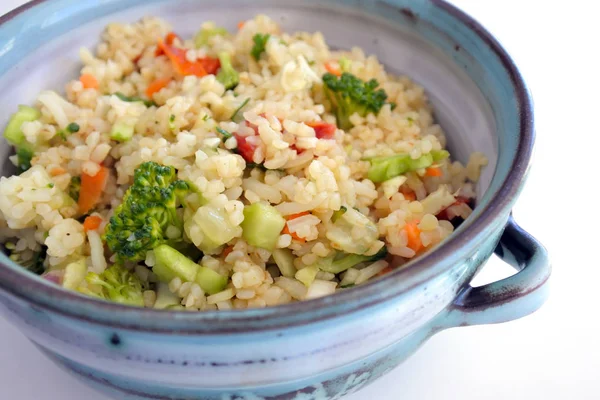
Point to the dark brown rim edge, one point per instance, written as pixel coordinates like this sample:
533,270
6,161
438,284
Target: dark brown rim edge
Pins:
364,296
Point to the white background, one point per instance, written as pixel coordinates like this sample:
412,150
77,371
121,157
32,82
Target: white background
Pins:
553,354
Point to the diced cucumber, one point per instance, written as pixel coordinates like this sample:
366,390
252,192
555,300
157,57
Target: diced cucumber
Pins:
216,228
13,133
75,273
122,131
307,275
170,264
439,155
164,297
211,281
285,261
262,225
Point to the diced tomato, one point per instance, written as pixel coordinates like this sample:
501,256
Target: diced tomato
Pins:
323,130
210,65
227,251
245,149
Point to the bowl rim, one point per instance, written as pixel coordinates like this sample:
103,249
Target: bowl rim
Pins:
361,298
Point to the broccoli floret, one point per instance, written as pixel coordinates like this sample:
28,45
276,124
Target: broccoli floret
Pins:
349,94
260,43
227,75
34,264
116,284
342,261
74,187
148,215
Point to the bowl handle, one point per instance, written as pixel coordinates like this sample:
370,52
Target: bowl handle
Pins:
511,298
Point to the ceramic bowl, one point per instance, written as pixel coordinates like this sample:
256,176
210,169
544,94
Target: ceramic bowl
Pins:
323,348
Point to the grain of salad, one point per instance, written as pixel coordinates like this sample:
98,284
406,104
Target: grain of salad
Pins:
229,170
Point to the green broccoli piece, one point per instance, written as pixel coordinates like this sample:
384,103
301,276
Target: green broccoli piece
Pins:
384,168
24,156
227,75
74,187
349,94
203,36
116,284
34,264
260,43
148,215
342,261
135,99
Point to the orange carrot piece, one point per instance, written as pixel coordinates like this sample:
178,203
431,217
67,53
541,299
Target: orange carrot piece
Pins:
286,230
241,24
414,236
91,223
156,85
57,171
89,81
410,195
433,171
91,189
333,67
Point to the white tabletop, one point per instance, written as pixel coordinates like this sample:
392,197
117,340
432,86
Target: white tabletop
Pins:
553,354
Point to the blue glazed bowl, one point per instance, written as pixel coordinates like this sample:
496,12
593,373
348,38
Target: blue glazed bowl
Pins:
323,348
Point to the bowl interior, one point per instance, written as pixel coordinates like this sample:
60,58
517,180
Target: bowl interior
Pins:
477,95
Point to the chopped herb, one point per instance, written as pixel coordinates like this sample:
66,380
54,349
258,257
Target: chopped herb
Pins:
135,99
226,135
311,62
393,105
260,42
24,156
74,187
347,286
283,42
172,118
172,121
50,185
237,110
73,127
206,117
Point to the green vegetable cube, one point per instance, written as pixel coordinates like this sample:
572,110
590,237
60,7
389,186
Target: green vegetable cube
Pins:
262,225
211,281
170,264
13,133
122,131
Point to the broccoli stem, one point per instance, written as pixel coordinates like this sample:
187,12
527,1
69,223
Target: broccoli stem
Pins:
348,261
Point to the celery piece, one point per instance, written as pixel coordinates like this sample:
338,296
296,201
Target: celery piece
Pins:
121,131
262,225
285,262
13,133
202,37
227,75
384,168
75,273
307,275
170,264
211,281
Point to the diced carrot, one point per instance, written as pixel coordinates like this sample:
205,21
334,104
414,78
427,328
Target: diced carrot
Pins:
245,148
384,271
89,81
241,24
91,223
433,171
57,171
294,216
414,236
323,130
169,39
333,67
286,230
156,85
182,65
91,189
226,251
409,195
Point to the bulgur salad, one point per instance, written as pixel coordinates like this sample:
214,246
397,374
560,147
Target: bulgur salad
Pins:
227,170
